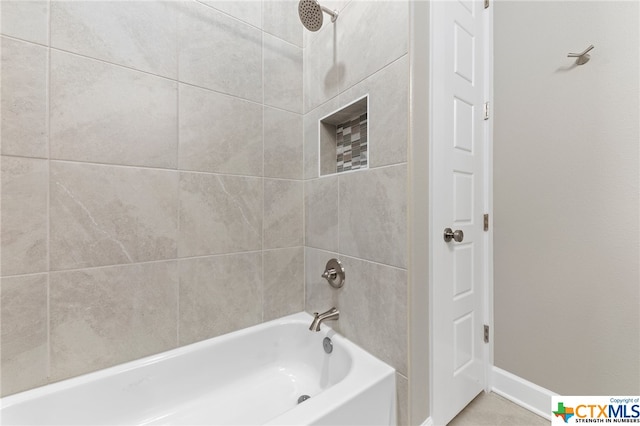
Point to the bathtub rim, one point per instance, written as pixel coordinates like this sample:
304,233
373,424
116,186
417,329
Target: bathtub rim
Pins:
366,370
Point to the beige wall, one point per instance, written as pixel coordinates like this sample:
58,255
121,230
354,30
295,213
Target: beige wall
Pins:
151,178
361,217
566,193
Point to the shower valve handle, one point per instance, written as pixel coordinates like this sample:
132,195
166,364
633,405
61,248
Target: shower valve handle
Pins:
334,273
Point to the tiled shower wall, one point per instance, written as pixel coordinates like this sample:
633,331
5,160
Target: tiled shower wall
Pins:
360,217
152,178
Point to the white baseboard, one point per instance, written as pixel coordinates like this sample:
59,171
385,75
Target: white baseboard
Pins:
428,422
522,392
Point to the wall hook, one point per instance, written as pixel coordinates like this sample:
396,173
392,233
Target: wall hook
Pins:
583,58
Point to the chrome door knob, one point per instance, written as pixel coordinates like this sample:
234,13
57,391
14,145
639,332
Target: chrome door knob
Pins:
456,235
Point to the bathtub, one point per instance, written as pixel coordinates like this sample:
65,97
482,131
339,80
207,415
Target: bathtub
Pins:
249,377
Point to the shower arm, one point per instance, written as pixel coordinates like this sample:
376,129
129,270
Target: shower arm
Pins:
333,13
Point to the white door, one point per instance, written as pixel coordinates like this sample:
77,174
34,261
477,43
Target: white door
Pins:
457,202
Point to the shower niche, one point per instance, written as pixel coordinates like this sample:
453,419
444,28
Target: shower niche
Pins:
344,138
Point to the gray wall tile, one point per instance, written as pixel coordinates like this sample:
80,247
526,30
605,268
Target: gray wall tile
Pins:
105,215
363,51
388,119
373,215
219,294
219,133
380,324
249,11
219,52
27,20
321,69
282,74
321,209
280,18
24,98
219,214
283,282
105,316
136,34
112,102
283,213
23,315
282,144
108,114
24,215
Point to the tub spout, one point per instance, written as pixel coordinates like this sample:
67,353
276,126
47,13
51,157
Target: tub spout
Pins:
331,314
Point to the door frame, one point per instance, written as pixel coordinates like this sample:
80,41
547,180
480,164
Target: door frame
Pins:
488,196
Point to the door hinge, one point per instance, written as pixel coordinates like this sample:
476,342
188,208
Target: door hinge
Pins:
486,4
486,110
486,221
486,333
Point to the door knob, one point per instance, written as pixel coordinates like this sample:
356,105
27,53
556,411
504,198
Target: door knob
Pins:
457,235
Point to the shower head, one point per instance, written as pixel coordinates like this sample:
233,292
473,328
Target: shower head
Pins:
311,15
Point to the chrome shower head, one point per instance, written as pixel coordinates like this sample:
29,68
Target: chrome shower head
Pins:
311,16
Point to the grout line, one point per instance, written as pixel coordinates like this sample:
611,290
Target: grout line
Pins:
283,248
146,262
338,236
29,274
175,80
14,38
352,172
49,179
264,198
156,168
235,18
342,92
304,245
250,24
358,258
179,266
104,61
45,157
90,163
179,198
186,83
281,179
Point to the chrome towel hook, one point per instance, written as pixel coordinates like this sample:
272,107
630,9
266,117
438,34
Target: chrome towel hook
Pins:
583,58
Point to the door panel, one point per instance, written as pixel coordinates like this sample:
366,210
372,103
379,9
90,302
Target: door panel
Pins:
457,199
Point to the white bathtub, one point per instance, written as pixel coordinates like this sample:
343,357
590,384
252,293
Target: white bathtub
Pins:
250,377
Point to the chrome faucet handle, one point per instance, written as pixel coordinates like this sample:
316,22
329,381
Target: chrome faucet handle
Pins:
330,274
334,273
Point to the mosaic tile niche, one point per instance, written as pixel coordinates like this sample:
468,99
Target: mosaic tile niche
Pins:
351,141
344,141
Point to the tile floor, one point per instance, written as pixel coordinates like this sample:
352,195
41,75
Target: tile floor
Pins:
489,409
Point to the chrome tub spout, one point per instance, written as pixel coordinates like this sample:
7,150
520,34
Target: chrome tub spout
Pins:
331,314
